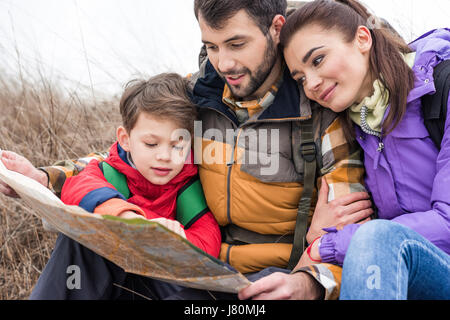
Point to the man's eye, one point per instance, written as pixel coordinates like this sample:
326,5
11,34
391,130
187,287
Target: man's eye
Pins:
211,47
237,45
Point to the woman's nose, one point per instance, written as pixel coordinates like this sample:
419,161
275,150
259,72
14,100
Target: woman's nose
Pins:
313,83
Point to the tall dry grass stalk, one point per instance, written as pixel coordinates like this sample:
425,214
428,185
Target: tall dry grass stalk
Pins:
44,123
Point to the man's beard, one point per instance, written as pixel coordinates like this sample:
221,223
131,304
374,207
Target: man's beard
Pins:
261,73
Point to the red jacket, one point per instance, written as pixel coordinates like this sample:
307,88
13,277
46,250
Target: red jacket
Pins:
90,190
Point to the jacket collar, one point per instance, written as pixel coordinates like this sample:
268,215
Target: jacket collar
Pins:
208,93
119,160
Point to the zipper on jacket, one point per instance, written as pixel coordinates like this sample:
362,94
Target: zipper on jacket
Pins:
230,168
378,154
231,162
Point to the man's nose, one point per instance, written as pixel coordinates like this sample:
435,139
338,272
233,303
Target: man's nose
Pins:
226,62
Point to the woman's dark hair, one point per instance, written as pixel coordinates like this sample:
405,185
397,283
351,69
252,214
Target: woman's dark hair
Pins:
386,61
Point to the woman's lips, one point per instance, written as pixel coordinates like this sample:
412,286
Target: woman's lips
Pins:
327,93
161,171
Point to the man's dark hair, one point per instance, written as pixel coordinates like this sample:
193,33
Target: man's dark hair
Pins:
217,12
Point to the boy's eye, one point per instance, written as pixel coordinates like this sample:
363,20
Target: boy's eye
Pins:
151,145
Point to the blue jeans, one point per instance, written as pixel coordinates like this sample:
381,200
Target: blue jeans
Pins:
388,261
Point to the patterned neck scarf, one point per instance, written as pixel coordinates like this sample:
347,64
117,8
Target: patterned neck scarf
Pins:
369,113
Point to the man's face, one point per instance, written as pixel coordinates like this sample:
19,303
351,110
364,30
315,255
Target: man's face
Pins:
241,54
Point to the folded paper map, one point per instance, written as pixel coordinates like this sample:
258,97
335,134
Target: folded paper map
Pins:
138,246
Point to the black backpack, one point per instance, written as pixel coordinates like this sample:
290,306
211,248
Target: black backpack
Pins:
434,106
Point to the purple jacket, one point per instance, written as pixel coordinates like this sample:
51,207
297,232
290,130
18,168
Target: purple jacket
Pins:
410,179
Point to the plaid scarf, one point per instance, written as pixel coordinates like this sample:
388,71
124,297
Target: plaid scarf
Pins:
246,110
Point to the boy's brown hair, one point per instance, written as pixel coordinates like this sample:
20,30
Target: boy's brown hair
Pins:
164,96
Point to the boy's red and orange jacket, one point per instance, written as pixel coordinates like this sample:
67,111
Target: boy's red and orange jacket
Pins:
91,191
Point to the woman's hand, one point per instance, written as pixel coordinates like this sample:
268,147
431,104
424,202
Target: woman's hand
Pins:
352,208
306,260
22,165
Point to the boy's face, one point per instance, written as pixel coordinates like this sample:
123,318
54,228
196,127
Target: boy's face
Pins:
156,147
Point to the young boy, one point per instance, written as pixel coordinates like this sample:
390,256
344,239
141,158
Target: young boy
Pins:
153,155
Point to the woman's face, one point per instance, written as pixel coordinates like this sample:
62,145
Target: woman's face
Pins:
333,72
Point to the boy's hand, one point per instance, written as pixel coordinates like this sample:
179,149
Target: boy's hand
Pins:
172,225
130,215
17,163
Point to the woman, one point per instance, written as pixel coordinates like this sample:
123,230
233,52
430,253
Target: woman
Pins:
347,64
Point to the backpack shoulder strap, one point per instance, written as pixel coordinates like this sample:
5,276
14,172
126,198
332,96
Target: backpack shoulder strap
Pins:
191,203
308,153
116,178
435,106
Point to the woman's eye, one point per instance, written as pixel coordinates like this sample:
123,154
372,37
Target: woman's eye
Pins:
151,145
317,61
301,80
178,148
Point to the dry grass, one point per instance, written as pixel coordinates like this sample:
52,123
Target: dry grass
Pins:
44,123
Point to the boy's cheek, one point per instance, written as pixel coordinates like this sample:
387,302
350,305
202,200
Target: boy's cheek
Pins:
179,157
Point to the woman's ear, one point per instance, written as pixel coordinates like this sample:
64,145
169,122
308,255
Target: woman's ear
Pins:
363,39
123,138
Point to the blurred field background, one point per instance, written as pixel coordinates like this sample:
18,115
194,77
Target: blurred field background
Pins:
44,124
62,67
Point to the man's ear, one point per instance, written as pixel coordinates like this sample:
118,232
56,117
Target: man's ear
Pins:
123,138
363,39
275,29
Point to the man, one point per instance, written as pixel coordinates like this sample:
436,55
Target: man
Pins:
247,147
241,40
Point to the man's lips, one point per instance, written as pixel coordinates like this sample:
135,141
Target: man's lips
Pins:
327,93
234,79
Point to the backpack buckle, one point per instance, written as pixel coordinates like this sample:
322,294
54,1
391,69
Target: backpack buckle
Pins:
308,151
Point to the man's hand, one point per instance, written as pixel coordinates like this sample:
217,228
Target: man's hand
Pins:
352,208
17,163
282,286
